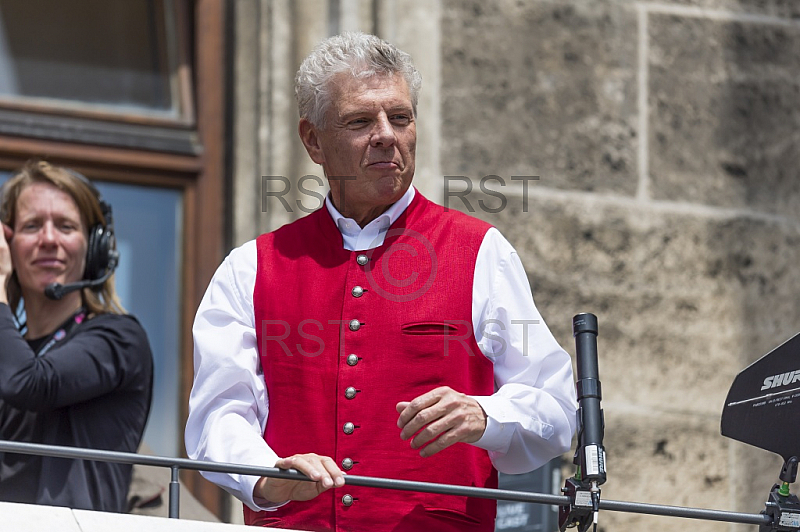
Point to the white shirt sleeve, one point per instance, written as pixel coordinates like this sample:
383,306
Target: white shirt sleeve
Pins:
532,414
229,395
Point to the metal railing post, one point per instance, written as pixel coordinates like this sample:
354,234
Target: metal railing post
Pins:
174,494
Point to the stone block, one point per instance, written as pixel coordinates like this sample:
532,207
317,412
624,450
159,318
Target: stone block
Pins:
684,302
723,113
755,472
540,88
670,460
773,8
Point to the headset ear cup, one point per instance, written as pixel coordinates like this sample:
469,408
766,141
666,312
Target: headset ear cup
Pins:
98,252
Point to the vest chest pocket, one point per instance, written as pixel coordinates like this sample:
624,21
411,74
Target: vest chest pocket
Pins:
446,339
427,328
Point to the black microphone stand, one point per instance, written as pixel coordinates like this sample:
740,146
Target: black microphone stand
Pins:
782,506
583,489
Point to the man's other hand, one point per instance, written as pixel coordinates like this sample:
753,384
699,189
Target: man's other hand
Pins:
321,469
439,419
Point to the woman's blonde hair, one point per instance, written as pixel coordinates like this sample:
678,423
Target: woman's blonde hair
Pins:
86,197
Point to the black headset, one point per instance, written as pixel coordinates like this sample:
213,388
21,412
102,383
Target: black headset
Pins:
101,253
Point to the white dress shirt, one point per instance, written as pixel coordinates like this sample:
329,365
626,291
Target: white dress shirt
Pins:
531,417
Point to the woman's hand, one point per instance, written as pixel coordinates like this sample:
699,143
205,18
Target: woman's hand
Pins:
6,267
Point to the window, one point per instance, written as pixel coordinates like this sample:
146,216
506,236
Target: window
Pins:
131,94
113,72
112,55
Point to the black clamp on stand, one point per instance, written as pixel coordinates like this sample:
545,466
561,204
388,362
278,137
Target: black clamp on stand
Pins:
583,489
783,506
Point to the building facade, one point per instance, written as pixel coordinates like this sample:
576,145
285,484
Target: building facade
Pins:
641,156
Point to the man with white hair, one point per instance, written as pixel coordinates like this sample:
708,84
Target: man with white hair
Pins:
382,335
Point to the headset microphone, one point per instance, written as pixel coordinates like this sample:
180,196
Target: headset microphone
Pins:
57,290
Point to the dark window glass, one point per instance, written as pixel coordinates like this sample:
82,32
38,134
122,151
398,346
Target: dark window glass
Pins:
119,55
148,227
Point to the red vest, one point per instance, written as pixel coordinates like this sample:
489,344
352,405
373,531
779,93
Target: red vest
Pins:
343,336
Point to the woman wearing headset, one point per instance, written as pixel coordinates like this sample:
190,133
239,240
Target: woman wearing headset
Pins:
74,371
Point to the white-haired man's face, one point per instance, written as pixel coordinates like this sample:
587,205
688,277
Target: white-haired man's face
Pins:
368,144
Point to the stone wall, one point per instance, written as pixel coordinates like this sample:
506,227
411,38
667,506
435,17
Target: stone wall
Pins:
665,140
664,137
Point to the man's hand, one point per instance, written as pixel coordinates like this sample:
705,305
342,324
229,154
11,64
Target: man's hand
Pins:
444,415
321,469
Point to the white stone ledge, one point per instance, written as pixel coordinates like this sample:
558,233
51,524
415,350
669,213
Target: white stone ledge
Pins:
35,518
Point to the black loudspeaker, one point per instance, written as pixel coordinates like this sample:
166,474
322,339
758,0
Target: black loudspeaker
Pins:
100,247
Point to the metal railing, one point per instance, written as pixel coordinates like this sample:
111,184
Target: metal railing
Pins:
176,464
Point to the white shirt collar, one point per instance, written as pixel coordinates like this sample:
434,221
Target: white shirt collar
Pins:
371,236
